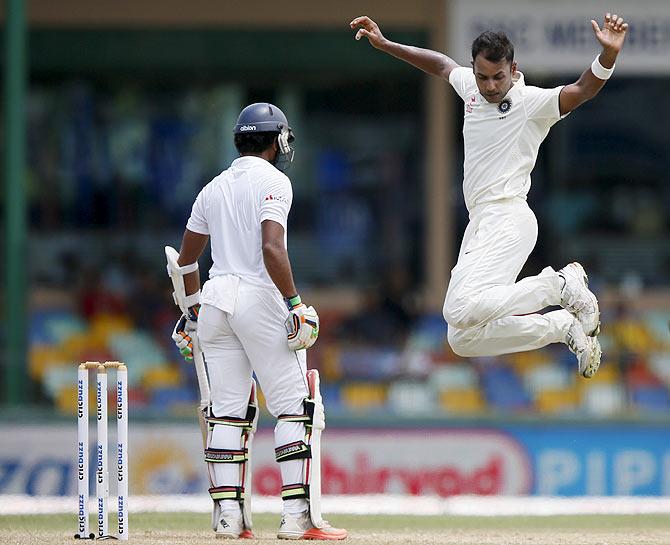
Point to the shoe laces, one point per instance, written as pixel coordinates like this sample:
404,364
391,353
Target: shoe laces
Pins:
578,305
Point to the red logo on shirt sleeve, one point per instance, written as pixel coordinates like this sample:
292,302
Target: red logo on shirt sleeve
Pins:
279,198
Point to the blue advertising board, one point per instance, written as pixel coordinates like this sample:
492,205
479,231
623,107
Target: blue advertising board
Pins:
622,459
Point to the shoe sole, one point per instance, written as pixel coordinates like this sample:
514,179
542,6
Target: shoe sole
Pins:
246,534
592,368
585,278
314,534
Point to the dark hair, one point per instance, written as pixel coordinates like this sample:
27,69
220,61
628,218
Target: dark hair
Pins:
254,142
494,46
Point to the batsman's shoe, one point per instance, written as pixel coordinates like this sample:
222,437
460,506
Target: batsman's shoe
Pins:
587,349
301,527
232,527
578,300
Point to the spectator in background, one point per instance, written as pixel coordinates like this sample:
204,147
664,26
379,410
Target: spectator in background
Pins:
387,315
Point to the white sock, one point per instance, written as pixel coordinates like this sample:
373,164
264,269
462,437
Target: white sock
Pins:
296,508
230,508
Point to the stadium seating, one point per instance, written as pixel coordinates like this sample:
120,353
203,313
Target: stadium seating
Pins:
422,377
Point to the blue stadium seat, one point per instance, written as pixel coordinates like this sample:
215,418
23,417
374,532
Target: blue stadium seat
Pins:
651,398
165,399
503,388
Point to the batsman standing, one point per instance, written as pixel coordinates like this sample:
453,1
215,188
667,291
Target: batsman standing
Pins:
505,121
249,319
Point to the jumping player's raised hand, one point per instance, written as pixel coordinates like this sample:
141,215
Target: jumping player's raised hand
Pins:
369,29
612,34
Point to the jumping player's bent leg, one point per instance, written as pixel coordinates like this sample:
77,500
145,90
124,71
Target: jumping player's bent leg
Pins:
489,313
521,333
496,244
478,307
511,334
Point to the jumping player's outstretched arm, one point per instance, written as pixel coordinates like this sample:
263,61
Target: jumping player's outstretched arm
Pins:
611,37
431,62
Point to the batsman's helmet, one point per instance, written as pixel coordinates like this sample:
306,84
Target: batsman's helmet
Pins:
267,118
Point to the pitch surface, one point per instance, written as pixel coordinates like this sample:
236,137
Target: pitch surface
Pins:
193,529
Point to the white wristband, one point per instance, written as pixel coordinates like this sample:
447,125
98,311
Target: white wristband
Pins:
599,70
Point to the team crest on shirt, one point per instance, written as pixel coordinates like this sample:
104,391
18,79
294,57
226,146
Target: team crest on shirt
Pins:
505,106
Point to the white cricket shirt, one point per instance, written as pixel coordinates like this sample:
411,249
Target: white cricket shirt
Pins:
230,210
502,140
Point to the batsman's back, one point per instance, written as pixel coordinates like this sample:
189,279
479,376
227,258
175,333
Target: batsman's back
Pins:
231,208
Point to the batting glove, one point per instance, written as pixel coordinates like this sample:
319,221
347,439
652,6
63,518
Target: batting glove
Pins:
184,332
302,324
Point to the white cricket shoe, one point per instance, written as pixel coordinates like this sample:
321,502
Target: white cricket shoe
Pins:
578,300
232,527
301,527
587,349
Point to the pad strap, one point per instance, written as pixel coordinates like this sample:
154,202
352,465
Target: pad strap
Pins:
294,418
306,417
226,493
309,411
230,421
225,456
298,450
295,491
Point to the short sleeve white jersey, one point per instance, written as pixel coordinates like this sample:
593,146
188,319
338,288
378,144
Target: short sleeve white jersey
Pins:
502,140
231,208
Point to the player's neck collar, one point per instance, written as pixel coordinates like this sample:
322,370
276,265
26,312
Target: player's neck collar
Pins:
518,81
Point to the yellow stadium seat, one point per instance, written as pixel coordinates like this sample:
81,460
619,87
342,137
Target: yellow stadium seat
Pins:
75,345
462,401
633,336
557,401
608,373
262,404
104,325
524,361
330,363
97,340
42,357
66,400
161,377
360,396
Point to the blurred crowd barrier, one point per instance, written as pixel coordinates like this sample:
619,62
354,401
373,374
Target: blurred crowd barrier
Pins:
378,360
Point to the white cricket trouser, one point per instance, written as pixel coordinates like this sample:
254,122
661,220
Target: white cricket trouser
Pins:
488,312
253,339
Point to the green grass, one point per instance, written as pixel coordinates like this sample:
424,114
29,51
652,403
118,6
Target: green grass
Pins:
187,528
267,522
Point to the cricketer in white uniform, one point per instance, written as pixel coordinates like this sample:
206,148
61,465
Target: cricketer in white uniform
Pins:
505,121
251,320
